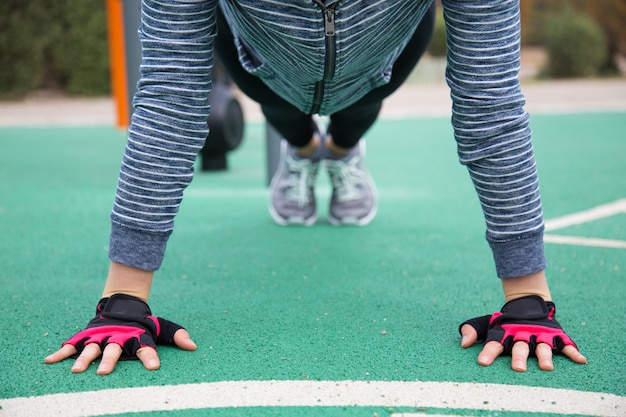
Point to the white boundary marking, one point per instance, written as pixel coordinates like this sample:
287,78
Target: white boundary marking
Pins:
586,216
585,241
426,415
231,394
596,213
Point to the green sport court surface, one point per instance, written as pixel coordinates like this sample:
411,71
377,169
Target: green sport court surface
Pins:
318,321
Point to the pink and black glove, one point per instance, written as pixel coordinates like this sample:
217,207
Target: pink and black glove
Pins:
128,322
529,319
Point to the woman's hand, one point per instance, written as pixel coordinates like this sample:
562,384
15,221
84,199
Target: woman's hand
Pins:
124,328
523,327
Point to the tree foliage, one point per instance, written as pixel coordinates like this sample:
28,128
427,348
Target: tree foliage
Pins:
60,44
609,15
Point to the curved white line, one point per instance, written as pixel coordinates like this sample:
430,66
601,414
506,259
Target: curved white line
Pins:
231,394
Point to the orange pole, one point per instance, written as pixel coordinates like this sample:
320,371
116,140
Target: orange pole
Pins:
117,60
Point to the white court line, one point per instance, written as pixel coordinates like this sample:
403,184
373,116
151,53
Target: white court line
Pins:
585,241
596,213
574,219
425,415
231,394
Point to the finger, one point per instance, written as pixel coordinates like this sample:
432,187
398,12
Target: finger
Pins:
148,356
573,353
65,352
183,341
110,356
519,356
468,336
88,355
490,352
544,356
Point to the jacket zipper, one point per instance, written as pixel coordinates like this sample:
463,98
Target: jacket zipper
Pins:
328,13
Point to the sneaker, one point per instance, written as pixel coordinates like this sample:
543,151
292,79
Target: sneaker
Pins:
292,200
354,199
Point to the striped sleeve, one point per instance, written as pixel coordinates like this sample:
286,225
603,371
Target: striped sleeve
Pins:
168,127
491,128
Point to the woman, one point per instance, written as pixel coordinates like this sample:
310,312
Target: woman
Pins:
339,58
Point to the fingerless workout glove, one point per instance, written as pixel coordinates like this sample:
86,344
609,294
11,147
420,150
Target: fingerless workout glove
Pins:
529,319
128,322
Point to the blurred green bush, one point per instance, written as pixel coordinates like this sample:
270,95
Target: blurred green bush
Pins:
60,45
576,45
63,44
609,15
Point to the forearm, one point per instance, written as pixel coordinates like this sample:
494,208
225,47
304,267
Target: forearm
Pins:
532,284
123,279
491,129
168,128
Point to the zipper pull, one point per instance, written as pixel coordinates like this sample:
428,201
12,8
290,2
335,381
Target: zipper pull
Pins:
329,22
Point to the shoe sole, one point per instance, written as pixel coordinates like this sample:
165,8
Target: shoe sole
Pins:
353,221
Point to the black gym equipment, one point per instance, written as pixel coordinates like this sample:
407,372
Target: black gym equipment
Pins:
225,121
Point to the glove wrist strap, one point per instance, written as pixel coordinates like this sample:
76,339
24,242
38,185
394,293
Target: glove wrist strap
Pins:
123,307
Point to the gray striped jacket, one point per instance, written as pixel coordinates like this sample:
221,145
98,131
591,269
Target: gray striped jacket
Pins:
322,57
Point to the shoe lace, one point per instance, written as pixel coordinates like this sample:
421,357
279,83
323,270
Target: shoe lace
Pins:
347,178
299,180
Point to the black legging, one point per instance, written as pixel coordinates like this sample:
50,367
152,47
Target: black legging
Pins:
347,126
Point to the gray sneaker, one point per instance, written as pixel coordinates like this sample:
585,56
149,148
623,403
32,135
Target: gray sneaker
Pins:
354,198
292,200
